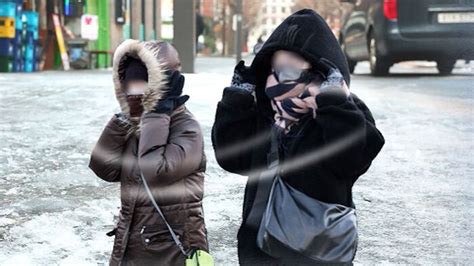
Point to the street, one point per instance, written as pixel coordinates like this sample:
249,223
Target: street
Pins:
414,205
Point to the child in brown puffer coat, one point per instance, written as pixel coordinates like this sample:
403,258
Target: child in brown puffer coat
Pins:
154,135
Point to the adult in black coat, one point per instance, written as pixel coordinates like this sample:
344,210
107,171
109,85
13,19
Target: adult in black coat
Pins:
323,154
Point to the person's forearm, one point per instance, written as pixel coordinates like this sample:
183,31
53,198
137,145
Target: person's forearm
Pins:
106,157
344,124
233,129
166,155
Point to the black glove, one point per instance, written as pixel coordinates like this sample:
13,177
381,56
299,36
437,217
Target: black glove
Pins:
333,90
244,77
334,81
175,83
172,98
169,104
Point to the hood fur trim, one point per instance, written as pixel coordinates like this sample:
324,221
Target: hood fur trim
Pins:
156,78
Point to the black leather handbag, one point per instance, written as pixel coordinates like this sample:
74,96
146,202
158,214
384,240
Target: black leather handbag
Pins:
291,223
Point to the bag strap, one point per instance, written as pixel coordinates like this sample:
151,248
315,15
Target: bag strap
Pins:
173,234
264,183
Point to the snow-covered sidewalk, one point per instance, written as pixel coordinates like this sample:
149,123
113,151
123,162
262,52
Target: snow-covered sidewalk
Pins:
414,204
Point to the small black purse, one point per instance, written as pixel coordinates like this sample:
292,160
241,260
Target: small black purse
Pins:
294,223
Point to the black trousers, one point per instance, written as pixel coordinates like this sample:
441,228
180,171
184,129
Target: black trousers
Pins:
249,253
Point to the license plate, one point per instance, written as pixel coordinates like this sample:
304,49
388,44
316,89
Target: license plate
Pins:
456,17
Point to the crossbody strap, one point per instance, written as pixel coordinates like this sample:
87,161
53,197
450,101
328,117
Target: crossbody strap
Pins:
264,184
173,234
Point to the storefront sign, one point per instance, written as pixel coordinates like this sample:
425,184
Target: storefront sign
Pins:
89,27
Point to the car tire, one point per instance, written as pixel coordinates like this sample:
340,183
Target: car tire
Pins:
445,67
379,66
350,63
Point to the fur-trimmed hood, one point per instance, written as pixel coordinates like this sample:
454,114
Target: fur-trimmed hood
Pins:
147,52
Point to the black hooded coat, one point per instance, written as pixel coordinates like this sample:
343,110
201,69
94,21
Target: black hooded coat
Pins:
343,124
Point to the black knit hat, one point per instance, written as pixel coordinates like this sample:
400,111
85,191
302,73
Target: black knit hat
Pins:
135,70
306,33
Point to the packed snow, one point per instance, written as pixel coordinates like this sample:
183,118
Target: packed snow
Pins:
414,205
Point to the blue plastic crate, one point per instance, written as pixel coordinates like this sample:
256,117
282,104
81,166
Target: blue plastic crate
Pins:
17,52
29,38
29,65
34,33
31,19
7,9
19,2
19,7
23,32
18,38
18,22
30,52
6,47
17,65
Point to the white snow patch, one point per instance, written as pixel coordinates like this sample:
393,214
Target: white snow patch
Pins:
6,221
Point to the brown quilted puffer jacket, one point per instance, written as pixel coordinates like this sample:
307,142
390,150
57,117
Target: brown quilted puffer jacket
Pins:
169,152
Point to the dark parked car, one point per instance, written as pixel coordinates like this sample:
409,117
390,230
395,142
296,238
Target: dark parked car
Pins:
389,31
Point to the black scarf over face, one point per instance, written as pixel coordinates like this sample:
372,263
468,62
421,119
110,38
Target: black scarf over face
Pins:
291,99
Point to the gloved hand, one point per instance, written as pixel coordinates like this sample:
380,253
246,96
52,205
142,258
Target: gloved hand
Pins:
172,98
175,83
244,78
334,79
123,121
333,90
334,83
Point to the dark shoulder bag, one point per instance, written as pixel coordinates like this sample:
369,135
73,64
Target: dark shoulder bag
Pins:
289,222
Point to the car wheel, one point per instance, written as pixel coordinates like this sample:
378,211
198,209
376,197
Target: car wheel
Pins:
351,63
445,67
379,66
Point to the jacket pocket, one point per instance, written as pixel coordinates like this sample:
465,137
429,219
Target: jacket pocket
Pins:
158,238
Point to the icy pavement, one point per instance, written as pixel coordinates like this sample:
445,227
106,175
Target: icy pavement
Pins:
414,205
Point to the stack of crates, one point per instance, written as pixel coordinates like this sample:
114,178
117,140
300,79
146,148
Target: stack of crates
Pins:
31,24
19,32
7,35
18,63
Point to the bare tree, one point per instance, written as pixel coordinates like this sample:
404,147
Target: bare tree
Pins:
250,12
227,10
333,11
326,8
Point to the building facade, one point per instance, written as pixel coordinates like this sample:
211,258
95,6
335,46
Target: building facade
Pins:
272,13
